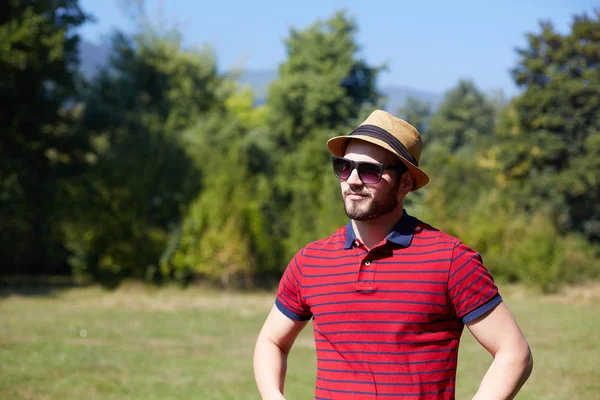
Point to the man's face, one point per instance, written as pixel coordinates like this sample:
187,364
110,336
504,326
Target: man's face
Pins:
366,202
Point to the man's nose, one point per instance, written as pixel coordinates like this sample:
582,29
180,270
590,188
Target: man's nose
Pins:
353,179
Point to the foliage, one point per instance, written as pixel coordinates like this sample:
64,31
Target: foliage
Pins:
453,145
516,246
463,122
130,202
38,60
226,232
163,168
463,199
322,90
551,133
322,84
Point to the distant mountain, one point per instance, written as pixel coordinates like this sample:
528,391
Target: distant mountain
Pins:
93,57
259,81
397,95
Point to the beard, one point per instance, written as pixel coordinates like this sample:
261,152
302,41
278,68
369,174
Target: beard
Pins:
369,208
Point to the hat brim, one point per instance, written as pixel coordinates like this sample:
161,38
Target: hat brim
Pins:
337,147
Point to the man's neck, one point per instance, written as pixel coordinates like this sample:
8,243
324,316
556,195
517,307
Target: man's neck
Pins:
370,233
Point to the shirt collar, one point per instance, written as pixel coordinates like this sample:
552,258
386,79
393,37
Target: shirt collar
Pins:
401,234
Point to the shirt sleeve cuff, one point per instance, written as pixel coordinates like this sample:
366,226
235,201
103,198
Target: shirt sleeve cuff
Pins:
291,314
482,309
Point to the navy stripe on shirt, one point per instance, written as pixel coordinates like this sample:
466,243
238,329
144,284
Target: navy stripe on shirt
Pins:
363,332
354,392
387,362
393,353
379,301
369,372
379,291
419,383
414,342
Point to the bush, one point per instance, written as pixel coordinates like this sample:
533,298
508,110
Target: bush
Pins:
516,246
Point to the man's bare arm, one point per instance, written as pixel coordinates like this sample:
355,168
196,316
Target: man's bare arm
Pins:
271,352
500,335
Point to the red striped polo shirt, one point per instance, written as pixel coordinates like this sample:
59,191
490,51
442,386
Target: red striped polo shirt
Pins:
387,321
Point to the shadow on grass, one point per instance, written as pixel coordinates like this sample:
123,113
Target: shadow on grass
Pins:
36,286
51,286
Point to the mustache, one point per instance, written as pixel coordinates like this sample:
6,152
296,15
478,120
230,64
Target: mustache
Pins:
358,192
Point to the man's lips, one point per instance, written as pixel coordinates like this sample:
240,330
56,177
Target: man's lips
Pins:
356,196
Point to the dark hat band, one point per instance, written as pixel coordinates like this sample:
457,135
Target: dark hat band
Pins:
382,134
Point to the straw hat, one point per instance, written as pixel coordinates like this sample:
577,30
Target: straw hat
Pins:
391,133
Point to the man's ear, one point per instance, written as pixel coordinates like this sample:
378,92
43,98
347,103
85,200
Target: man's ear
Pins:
406,183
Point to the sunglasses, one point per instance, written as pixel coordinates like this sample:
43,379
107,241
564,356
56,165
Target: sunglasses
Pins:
368,172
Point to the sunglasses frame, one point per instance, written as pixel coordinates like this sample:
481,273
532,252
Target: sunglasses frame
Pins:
356,164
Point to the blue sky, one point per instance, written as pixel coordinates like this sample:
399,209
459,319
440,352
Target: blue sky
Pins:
428,45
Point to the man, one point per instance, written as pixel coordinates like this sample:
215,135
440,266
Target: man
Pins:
388,294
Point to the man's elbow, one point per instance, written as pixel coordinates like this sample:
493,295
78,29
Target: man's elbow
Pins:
519,360
527,363
522,360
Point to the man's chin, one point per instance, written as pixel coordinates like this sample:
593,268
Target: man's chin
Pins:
359,215
364,213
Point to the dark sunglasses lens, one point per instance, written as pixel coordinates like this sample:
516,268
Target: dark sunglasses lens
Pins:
342,168
369,173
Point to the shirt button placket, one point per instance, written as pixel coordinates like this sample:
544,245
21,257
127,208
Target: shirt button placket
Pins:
366,276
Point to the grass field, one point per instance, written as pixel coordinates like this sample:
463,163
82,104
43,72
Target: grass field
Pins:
144,343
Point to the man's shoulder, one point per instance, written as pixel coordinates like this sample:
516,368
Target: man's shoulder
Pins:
426,234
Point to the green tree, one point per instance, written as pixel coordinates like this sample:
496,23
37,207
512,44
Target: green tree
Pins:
468,197
38,147
322,90
454,141
418,114
551,132
128,206
463,121
323,83
226,233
